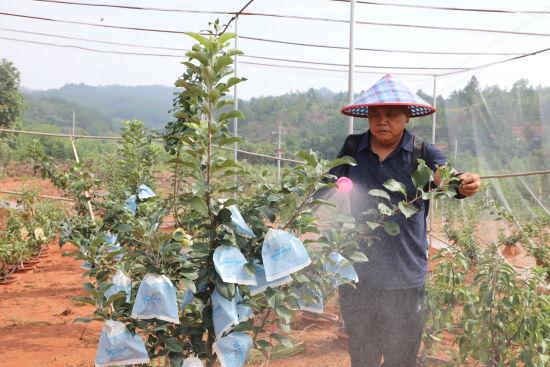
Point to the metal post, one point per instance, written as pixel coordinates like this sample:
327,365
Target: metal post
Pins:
235,98
73,122
279,131
434,115
434,120
351,60
456,149
86,193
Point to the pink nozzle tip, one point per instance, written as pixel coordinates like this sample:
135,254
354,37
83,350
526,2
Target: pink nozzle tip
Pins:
344,184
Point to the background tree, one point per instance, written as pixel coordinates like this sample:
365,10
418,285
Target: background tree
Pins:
11,100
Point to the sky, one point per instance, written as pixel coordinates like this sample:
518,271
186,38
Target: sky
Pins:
45,67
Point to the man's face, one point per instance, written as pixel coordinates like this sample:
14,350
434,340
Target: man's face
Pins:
386,123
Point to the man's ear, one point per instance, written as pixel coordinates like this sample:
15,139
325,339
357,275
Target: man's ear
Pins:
408,114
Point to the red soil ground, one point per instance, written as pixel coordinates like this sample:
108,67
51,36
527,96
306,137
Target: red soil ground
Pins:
37,313
19,183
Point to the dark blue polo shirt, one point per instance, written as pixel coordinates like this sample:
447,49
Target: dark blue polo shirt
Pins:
394,261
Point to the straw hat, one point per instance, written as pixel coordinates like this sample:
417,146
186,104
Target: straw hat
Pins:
388,92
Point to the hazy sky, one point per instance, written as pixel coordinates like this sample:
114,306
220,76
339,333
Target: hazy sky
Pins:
45,67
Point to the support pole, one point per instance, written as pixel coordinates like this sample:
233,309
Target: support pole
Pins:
434,120
279,131
434,115
351,70
235,98
74,123
85,193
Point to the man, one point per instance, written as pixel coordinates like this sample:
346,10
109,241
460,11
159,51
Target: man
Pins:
383,315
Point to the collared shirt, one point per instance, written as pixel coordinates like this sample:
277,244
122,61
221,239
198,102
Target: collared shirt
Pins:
399,261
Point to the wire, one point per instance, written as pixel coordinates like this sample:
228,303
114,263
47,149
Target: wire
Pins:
399,25
97,137
294,66
544,172
92,24
500,62
88,49
402,25
39,196
236,15
503,38
362,66
136,7
185,50
288,66
494,43
337,70
92,40
359,2
450,8
265,40
242,62
379,49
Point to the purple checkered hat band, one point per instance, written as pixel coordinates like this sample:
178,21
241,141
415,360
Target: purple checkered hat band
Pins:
388,92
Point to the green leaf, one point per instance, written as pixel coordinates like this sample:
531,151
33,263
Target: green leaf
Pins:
173,345
262,343
198,37
373,225
380,193
358,256
391,228
268,213
199,205
188,284
116,297
407,209
287,343
87,300
343,160
301,278
226,37
284,314
250,269
309,157
275,299
84,319
395,186
227,290
198,56
221,63
233,52
384,209
230,115
124,227
223,103
231,140
232,81
422,175
323,202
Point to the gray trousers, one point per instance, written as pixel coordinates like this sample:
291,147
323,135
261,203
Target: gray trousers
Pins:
382,323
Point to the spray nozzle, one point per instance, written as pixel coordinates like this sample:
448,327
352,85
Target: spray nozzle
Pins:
344,184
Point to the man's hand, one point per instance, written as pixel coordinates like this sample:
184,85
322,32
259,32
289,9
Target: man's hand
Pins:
469,184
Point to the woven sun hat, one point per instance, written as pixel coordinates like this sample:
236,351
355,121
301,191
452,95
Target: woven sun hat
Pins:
388,92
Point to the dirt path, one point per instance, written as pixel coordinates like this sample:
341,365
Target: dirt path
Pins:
36,317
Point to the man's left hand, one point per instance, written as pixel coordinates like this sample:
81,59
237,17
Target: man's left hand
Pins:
469,183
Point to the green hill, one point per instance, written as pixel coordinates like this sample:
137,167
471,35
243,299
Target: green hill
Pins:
47,111
151,104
